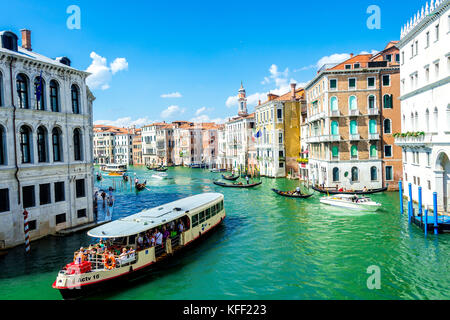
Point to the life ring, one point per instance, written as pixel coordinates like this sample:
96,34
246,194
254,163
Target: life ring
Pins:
109,261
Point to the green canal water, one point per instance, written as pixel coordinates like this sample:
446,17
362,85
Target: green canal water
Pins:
268,247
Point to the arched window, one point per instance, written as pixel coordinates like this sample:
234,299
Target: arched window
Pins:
373,174
436,120
373,151
355,174
387,125
335,174
22,91
334,104
353,127
334,128
2,146
353,105
371,102
42,144
75,99
335,152
39,93
25,144
77,144
354,152
416,121
54,96
56,142
427,120
387,99
373,126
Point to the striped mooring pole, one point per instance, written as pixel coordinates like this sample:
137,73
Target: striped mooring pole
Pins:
27,231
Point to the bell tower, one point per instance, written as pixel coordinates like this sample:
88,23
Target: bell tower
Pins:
242,102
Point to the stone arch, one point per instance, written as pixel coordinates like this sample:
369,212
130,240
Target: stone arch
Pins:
442,180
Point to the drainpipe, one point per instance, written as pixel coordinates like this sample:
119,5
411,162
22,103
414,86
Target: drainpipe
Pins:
16,173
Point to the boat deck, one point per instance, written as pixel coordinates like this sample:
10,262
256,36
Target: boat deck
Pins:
443,222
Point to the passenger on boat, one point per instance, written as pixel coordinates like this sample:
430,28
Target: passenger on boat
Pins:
80,257
159,238
140,242
181,227
165,234
103,197
247,179
364,189
298,191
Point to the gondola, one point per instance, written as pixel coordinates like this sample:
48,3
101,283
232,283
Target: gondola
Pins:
140,186
161,169
237,185
292,195
360,192
99,177
230,178
125,178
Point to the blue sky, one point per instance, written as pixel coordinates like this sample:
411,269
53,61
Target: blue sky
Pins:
196,53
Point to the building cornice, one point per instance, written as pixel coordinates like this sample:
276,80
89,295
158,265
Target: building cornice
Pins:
426,88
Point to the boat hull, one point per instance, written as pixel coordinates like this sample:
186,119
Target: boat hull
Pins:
323,191
121,280
350,205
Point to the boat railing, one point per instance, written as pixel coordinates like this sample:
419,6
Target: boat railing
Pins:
159,250
97,260
175,240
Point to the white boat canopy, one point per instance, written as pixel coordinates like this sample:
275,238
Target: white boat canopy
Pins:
151,218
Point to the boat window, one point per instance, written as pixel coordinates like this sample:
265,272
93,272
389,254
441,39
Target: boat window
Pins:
201,217
208,213
194,220
132,239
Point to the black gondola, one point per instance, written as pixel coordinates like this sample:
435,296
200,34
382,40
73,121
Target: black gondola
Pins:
125,177
161,169
99,177
241,185
230,178
360,192
291,194
140,186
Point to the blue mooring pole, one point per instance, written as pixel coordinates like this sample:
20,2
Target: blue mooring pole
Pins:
420,204
426,222
400,187
410,209
436,224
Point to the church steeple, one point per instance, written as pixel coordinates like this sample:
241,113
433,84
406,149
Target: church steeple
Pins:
242,102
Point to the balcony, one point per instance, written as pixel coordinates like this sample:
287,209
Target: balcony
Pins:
331,138
373,111
317,116
413,139
335,113
353,113
374,136
355,137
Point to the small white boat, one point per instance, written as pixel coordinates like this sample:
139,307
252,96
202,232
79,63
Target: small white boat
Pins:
352,202
114,168
160,175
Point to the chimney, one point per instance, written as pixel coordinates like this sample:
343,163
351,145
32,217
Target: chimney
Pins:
26,39
259,102
293,85
271,96
351,55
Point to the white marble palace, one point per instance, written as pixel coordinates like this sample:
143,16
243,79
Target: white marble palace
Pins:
45,142
425,105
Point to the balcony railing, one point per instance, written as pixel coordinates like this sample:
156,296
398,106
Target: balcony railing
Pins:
411,140
335,113
355,137
374,136
353,112
373,111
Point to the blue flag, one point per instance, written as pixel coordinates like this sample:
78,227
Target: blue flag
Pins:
39,89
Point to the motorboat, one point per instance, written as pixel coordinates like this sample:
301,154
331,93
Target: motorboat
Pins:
353,202
160,175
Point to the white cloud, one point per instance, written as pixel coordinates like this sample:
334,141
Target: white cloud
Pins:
334,58
172,95
281,81
124,122
118,65
171,111
205,118
200,111
101,74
